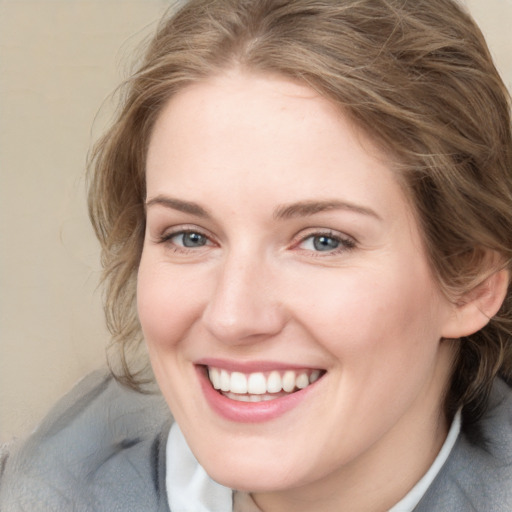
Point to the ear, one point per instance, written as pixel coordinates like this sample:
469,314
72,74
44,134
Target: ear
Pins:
476,307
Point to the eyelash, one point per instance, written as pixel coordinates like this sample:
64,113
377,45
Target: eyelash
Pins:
345,243
167,239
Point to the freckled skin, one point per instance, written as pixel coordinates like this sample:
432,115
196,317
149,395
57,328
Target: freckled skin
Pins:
361,304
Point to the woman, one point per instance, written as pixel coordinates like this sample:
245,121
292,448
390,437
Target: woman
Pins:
305,212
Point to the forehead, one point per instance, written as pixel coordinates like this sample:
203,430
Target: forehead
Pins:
264,135
243,108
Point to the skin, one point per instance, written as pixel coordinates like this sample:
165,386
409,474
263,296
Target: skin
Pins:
243,148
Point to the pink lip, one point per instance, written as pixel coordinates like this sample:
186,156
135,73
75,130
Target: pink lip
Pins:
249,412
250,366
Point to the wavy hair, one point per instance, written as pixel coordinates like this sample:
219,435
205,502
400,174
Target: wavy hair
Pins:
416,75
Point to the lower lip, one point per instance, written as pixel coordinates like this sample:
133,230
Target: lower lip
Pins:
250,412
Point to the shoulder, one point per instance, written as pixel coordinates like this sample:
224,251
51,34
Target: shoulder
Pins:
102,447
478,474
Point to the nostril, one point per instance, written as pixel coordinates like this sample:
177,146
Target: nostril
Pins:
251,327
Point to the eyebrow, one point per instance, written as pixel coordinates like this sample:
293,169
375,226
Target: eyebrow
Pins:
179,205
286,211
307,208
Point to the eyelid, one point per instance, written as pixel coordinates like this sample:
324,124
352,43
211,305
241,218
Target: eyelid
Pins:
347,242
181,229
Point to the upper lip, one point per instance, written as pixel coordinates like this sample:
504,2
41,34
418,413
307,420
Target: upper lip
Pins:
252,366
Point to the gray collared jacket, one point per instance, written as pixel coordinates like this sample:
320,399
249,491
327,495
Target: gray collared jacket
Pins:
102,448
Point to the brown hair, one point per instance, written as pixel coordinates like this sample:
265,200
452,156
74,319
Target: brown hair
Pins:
416,75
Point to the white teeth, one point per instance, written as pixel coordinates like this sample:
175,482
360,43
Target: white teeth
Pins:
302,381
289,381
238,383
225,384
257,386
213,373
274,382
250,398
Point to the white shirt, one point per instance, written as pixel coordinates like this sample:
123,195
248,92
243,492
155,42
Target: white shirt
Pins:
190,489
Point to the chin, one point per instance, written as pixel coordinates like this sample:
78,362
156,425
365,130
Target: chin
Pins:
249,478
252,473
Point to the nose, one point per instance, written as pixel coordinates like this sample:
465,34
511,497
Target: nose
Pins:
244,306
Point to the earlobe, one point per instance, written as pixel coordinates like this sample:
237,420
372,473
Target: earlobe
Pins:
477,306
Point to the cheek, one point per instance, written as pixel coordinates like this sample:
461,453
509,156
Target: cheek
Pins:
373,312
167,303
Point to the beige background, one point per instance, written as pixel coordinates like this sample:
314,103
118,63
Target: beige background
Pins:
59,60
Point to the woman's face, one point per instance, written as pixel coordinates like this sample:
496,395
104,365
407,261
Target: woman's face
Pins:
280,251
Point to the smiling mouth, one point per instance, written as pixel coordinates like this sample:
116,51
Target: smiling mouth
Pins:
261,386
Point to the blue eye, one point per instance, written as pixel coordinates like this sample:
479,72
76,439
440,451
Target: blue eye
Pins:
191,239
186,239
326,242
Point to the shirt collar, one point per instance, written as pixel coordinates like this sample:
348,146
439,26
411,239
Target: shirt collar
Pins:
190,488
